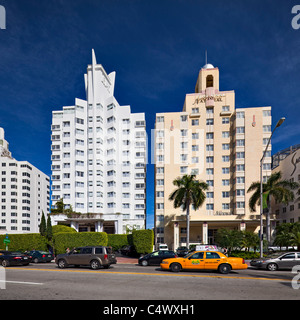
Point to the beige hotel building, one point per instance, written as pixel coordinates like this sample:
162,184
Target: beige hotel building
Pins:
221,145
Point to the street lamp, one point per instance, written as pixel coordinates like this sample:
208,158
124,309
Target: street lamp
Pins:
279,123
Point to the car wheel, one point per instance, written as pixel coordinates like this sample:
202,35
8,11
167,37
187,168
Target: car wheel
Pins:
95,264
5,263
62,263
224,268
272,266
35,260
175,267
145,263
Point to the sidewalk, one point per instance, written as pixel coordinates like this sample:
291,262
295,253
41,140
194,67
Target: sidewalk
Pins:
127,260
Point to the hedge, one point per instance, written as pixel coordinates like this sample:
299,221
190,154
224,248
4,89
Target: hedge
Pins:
63,240
117,241
23,242
61,228
143,241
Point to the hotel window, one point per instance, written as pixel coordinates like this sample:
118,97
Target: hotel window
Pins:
160,119
209,110
160,182
125,205
160,194
209,135
240,155
209,206
240,192
225,170
210,183
183,118
195,147
195,110
225,134
240,205
240,114
266,113
225,120
240,129
240,179
225,108
160,206
183,132
209,81
194,172
183,169
267,128
225,194
209,195
195,136
267,166
225,158
195,122
240,167
160,170
209,147
225,206
209,171
225,182
240,143
209,122
160,158
195,159
209,159
225,146
184,145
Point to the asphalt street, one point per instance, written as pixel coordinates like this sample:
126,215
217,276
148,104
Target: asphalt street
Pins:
133,282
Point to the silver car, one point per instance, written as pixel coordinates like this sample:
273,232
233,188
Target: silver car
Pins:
277,261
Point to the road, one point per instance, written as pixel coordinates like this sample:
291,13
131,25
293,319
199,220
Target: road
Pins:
133,282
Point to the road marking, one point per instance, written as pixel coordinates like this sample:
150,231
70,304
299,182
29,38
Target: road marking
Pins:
156,274
21,282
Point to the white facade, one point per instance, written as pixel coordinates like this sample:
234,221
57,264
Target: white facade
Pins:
99,157
25,193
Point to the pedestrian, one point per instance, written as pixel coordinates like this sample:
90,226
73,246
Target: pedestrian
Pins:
225,251
67,250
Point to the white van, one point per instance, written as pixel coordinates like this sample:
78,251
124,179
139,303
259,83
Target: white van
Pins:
162,247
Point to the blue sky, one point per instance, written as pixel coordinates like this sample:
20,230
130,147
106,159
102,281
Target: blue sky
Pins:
156,48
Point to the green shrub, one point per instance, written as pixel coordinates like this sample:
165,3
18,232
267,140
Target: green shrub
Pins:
143,241
117,241
23,242
70,240
244,254
61,228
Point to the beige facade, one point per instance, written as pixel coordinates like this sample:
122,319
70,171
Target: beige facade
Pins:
289,165
222,145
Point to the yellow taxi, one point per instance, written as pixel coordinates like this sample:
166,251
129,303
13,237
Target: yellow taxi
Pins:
204,260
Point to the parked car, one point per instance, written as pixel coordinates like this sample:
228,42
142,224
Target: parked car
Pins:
13,258
129,251
93,256
277,261
182,251
40,256
156,257
204,260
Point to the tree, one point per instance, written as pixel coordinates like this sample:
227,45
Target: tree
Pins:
49,232
42,227
276,188
189,192
250,240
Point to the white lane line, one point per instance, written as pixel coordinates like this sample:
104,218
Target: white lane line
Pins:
22,282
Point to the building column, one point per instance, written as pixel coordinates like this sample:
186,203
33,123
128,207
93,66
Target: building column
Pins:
98,226
74,225
205,233
176,235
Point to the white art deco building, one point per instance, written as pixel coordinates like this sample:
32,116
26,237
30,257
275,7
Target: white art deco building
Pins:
25,193
99,159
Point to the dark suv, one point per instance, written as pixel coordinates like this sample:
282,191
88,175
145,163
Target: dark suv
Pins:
95,257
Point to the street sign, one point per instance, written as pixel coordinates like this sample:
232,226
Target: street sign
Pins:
6,241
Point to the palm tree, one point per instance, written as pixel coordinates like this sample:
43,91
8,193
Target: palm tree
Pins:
280,190
189,192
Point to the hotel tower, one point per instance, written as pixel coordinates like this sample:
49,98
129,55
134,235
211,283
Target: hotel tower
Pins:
220,144
99,159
